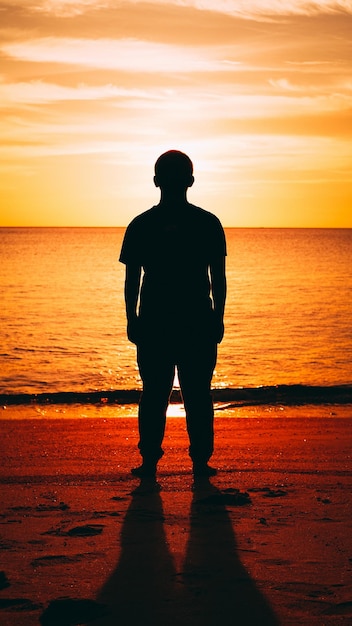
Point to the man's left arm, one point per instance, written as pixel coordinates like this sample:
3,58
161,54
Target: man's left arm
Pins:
132,288
218,289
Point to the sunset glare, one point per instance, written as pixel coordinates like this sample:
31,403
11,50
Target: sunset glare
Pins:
257,92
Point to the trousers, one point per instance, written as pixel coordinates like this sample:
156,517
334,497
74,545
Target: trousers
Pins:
195,359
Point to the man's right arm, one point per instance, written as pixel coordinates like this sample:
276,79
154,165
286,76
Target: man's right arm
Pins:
218,285
132,286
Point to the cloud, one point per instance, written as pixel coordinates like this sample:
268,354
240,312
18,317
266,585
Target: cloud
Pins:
130,55
39,92
60,8
248,9
227,101
285,85
257,8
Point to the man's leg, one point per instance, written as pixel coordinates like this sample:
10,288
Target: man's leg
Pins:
195,364
157,372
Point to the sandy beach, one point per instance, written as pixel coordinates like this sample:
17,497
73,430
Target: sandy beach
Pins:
267,541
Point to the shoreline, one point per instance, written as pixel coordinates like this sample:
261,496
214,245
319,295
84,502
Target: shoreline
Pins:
289,395
175,410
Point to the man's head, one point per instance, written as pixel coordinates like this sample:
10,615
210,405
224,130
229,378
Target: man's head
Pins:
173,170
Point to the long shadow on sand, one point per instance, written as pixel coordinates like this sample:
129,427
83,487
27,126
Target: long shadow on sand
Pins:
219,590
213,586
141,589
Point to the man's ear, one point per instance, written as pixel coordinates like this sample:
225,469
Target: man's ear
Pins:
191,181
156,182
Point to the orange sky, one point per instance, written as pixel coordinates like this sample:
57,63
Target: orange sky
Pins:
257,92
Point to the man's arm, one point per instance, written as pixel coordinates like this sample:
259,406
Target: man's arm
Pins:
218,288
132,285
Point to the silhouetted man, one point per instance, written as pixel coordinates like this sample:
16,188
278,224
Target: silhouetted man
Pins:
175,314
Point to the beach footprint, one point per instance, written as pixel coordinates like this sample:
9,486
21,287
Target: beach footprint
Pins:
4,581
69,611
88,530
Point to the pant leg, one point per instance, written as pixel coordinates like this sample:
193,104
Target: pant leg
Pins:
195,363
157,371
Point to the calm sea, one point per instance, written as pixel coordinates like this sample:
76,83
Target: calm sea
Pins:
62,320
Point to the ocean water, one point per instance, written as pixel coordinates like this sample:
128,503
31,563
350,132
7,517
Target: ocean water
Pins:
62,319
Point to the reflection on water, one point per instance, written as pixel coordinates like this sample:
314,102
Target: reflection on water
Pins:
212,586
63,324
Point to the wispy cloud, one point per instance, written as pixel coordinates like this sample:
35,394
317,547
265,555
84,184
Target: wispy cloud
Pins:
128,55
43,93
60,8
253,8
281,98
250,9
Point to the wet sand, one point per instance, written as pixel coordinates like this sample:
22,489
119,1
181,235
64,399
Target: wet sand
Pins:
267,541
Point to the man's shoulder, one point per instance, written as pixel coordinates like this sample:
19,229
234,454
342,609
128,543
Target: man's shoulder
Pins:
204,216
136,232
209,226
142,218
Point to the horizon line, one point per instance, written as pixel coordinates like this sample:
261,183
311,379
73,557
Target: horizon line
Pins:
2,226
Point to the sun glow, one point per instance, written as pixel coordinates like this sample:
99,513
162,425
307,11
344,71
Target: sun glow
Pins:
263,109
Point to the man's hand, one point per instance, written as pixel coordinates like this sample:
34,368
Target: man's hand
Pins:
219,330
133,330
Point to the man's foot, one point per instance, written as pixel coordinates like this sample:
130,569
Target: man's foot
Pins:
203,470
146,470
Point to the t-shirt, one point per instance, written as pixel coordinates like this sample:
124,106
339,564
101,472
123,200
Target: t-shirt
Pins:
175,251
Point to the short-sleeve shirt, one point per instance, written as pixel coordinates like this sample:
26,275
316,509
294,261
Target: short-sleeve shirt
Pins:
175,253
